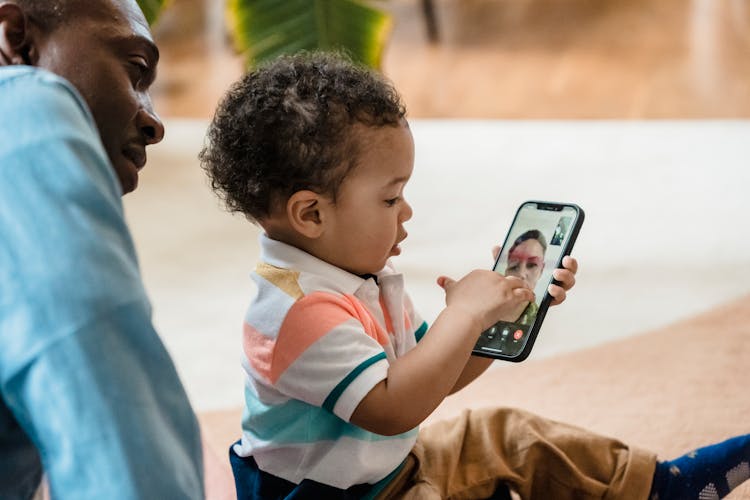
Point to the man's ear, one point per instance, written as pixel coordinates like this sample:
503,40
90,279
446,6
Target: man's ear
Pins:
15,46
305,210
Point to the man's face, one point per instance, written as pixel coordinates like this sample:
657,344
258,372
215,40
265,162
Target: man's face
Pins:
107,53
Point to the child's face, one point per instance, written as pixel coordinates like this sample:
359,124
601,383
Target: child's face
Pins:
365,225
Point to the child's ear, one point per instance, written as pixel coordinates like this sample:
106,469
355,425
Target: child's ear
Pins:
304,210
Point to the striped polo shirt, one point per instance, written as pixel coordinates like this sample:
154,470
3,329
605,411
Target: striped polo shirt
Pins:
316,340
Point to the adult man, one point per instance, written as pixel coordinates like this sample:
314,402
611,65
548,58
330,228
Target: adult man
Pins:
89,393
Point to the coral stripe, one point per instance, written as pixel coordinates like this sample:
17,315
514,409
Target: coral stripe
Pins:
307,321
407,322
258,350
372,326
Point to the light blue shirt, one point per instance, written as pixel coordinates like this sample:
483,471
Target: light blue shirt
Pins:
82,371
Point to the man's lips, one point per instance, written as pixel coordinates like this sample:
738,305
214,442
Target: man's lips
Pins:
137,155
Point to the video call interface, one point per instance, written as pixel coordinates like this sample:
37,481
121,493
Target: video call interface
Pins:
531,252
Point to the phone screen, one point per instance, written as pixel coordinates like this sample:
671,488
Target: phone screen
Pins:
537,241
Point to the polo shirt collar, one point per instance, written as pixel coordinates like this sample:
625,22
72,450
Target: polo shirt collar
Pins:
286,256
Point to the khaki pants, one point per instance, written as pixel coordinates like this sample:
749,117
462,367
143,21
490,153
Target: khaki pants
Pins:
537,458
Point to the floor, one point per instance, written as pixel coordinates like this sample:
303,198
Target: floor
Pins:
499,108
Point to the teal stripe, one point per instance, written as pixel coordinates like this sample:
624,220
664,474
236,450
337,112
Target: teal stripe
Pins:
421,331
335,394
297,422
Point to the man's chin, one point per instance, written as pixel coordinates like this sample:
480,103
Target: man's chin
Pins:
128,177
129,185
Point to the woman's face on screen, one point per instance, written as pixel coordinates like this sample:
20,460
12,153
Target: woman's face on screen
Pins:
526,261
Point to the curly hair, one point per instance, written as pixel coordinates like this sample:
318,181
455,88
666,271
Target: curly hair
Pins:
287,126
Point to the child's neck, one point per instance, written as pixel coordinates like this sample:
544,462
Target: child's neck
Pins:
285,234
279,229
293,238
367,276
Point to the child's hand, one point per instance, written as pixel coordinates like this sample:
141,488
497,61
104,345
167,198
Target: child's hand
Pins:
566,276
487,296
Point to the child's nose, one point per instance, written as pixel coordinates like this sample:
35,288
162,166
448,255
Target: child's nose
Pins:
406,212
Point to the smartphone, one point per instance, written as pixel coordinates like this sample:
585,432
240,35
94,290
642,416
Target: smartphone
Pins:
542,233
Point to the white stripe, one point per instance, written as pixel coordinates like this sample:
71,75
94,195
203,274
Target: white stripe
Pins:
269,308
359,388
365,462
264,393
324,364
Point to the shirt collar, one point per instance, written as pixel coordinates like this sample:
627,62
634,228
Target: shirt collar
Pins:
286,256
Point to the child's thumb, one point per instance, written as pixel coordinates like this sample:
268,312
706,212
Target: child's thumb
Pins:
445,282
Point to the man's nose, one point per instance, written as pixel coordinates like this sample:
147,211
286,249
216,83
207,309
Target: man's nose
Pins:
149,123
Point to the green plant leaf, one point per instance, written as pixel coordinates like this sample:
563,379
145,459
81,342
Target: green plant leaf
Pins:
264,29
151,9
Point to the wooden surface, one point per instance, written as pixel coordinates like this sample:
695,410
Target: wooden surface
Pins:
512,58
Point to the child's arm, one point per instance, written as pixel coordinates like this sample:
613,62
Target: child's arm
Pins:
418,381
566,276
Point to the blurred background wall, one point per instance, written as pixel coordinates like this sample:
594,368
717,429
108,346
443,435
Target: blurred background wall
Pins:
565,59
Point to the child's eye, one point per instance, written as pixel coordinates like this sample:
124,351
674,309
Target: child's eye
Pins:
392,201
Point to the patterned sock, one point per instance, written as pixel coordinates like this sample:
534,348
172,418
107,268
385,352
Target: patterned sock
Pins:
707,473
